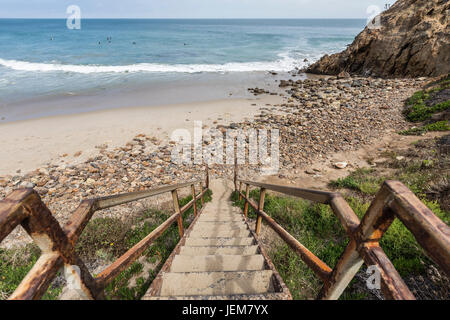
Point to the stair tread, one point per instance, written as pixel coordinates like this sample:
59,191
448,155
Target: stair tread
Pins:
224,250
217,283
183,263
219,233
262,296
220,218
218,227
219,241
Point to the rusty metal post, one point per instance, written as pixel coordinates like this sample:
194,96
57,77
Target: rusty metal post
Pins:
176,206
235,174
195,199
247,194
240,190
262,195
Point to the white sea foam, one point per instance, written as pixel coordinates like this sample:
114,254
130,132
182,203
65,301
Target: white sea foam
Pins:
283,64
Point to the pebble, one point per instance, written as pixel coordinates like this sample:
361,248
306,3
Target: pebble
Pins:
341,165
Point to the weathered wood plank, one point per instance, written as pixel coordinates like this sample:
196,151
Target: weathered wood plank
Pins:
12,212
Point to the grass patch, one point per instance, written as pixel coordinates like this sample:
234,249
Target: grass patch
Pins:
14,266
360,180
417,109
437,126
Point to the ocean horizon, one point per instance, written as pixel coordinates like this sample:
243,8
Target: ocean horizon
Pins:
42,58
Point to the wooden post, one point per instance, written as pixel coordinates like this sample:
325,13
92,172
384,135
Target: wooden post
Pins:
240,190
247,194
262,195
207,177
201,190
195,200
176,206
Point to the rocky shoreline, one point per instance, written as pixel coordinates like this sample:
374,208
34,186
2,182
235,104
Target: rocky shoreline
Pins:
317,119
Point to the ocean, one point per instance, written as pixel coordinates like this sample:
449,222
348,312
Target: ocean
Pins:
43,59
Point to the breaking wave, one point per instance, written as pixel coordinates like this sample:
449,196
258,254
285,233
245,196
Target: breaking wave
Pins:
284,64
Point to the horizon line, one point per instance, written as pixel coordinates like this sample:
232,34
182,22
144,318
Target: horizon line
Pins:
92,18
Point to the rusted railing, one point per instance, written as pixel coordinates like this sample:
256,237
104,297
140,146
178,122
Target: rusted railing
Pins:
394,200
25,207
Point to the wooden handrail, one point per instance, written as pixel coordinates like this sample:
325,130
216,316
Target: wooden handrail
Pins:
25,207
394,200
115,200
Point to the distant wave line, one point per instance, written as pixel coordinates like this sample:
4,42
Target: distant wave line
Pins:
282,65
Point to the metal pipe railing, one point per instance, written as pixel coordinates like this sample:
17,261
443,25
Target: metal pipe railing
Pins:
394,200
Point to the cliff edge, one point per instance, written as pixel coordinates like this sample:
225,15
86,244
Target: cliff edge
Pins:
413,40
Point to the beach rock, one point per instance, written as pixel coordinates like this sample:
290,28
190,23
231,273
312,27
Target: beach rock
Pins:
26,184
90,181
341,165
411,39
343,75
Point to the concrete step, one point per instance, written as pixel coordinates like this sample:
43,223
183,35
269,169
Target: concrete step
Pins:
219,227
226,215
262,296
183,263
205,217
199,233
212,250
207,224
216,283
220,206
214,241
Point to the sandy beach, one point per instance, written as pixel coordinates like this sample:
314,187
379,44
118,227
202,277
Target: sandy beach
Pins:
30,144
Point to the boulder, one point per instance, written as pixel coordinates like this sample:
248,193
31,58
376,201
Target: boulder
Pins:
412,40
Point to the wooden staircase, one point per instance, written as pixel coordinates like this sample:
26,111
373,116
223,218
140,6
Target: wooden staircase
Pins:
218,258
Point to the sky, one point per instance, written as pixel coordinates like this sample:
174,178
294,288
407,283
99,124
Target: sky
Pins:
191,8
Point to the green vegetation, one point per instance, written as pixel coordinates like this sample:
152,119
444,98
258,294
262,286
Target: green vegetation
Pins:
106,239
437,126
423,105
420,106
360,180
419,111
14,265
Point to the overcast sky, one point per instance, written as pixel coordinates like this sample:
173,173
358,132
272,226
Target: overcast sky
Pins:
191,8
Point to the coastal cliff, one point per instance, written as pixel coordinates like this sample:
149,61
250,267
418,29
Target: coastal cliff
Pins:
413,40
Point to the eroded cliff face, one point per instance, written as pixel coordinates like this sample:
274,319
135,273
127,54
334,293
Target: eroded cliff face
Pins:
413,41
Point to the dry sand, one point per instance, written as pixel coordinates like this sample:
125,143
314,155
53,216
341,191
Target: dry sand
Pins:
28,145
